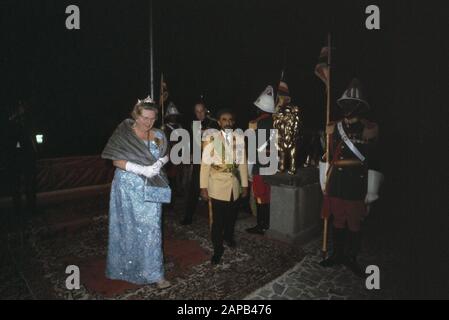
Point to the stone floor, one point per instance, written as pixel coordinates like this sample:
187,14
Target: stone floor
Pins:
307,280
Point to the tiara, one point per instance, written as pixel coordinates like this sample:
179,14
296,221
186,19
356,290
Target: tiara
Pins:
146,100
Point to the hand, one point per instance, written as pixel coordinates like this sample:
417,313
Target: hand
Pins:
204,194
158,165
150,171
161,162
147,171
244,192
370,198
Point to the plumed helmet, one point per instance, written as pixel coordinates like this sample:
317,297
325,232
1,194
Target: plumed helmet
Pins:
265,102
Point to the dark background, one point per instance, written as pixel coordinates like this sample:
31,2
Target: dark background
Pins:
82,83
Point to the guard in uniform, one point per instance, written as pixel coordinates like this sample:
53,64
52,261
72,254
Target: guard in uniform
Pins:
174,172
353,177
171,120
223,180
260,189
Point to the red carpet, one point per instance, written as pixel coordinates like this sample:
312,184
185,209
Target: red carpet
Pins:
92,276
76,233
183,254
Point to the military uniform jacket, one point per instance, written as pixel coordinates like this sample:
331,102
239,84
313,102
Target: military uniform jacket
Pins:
220,178
348,175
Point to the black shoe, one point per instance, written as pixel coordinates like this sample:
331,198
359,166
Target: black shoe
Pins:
186,222
255,230
352,264
231,244
216,258
332,261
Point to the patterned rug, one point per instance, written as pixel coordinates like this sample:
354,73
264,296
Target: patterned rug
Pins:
76,234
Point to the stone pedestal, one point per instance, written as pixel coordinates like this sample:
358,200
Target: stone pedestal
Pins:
295,206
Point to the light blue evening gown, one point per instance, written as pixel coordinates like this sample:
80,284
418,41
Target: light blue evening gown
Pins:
135,235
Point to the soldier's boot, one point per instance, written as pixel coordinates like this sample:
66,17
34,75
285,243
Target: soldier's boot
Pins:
354,244
338,241
258,229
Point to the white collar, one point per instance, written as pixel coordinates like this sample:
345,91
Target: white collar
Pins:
226,134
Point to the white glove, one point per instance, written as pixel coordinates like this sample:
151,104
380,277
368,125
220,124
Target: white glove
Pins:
156,167
322,166
147,171
160,163
150,171
375,179
370,198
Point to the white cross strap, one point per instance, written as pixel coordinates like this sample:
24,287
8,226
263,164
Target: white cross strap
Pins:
349,143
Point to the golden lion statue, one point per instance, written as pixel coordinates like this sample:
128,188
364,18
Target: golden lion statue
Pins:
287,121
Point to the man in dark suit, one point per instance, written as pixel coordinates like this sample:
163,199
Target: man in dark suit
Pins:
201,114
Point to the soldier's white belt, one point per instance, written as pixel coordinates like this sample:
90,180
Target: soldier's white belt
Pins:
349,143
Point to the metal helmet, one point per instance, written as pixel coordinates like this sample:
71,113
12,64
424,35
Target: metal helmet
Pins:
265,102
352,99
172,110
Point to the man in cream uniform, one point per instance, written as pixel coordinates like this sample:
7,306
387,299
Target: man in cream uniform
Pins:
223,179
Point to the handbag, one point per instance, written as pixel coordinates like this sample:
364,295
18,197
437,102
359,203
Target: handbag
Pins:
157,194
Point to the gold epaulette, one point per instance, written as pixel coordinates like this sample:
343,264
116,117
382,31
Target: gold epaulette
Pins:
205,143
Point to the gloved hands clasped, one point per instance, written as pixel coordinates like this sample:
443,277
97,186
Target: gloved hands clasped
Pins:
147,171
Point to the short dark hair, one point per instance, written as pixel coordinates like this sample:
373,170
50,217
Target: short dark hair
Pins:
199,102
223,111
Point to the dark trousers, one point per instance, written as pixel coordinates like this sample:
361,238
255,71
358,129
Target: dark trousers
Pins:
224,216
263,216
346,242
193,193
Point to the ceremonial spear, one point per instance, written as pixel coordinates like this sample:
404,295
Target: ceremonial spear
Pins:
323,71
328,137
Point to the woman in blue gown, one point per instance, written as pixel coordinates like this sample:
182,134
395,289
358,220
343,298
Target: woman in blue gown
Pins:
135,237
